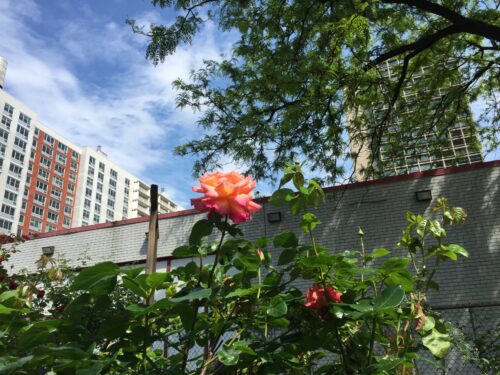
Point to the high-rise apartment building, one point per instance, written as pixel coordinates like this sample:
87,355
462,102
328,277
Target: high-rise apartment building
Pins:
422,147
47,183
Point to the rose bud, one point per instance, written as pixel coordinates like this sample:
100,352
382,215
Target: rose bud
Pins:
13,284
40,293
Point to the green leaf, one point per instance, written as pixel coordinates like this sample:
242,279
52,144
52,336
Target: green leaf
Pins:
282,196
8,368
94,369
438,343
98,279
286,256
185,252
156,279
377,253
240,292
278,307
133,272
286,240
457,249
228,357
242,346
389,298
429,324
4,310
134,287
201,228
195,294
8,295
309,222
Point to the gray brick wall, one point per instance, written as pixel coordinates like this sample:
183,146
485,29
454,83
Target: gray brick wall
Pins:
378,208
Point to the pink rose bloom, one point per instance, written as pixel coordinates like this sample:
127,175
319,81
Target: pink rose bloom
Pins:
226,193
318,299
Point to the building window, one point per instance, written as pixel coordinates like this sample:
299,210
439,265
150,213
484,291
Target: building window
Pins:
25,119
13,182
35,224
74,165
47,150
10,196
48,139
112,193
91,171
88,192
112,183
97,208
7,108
56,193
38,211
71,188
50,228
110,214
59,169
91,160
68,210
100,177
45,162
96,219
41,186
8,210
22,131
16,169
54,204
62,147
6,224
69,200
6,122
99,187
111,203
4,135
52,216
18,156
39,198
72,176
20,143
86,214
66,222
42,173
127,182
98,197
74,155
101,167
87,203
90,181
114,174
2,149
57,181
61,159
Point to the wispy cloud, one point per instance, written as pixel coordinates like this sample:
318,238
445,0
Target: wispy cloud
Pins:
91,83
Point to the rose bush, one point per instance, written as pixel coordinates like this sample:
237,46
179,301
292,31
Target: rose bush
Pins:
245,313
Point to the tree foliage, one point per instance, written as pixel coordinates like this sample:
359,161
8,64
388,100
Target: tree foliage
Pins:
300,68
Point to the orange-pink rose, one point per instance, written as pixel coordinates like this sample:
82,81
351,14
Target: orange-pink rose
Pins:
226,193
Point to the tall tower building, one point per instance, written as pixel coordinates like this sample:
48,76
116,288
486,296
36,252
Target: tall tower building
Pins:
48,183
405,149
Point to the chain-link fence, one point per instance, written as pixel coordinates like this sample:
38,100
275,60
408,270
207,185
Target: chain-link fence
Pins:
476,341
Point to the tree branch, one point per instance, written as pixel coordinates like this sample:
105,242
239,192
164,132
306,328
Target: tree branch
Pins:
419,45
467,25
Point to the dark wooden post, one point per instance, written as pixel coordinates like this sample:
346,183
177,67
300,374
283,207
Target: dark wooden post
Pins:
152,234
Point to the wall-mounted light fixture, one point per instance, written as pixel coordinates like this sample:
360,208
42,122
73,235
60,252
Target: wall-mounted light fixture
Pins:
274,217
48,250
423,195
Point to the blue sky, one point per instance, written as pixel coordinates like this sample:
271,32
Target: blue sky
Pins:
79,66
84,72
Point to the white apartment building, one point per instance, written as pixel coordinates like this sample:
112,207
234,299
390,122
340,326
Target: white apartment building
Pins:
47,183
16,137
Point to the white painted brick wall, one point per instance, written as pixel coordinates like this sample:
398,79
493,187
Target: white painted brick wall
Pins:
378,208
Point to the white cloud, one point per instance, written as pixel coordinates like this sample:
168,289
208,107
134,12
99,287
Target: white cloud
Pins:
125,104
